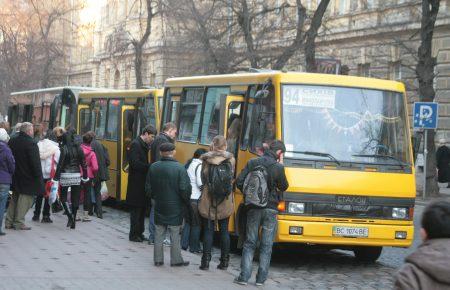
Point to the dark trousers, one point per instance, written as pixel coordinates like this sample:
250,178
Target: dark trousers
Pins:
98,198
137,218
208,227
38,206
88,191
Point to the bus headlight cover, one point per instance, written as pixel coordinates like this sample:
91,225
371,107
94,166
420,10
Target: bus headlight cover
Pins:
296,207
399,212
296,230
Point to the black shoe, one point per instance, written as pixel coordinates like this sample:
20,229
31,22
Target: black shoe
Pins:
205,261
35,218
47,220
90,212
2,233
224,262
183,264
159,264
144,239
240,281
136,240
100,216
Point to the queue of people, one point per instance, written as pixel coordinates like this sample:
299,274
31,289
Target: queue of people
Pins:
31,162
189,199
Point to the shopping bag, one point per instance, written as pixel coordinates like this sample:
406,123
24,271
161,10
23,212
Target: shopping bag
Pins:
53,192
104,191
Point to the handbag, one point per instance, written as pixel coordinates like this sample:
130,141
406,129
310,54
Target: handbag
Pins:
104,191
49,183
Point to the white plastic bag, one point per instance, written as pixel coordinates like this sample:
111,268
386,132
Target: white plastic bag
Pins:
53,192
104,191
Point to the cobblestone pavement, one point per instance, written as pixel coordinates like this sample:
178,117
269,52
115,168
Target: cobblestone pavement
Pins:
98,255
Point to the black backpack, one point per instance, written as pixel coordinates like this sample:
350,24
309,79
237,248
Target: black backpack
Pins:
220,182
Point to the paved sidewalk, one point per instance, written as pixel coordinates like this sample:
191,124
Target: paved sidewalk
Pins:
97,255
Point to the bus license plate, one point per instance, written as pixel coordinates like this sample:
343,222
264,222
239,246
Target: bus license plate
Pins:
351,232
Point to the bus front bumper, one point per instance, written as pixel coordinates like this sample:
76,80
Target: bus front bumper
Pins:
332,233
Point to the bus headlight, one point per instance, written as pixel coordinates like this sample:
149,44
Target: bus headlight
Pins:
399,213
296,207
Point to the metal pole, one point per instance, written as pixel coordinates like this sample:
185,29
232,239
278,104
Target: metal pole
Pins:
425,153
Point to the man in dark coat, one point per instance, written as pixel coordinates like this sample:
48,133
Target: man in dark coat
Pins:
138,160
168,135
170,187
102,174
443,162
27,179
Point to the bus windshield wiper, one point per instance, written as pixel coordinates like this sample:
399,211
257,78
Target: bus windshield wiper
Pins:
401,163
321,154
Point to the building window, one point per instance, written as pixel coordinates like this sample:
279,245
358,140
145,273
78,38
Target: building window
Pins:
116,79
395,70
364,69
191,109
342,8
107,74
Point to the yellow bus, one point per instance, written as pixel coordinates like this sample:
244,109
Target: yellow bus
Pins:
348,160
117,117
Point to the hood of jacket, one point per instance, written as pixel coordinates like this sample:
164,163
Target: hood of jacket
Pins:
216,157
87,149
433,258
47,148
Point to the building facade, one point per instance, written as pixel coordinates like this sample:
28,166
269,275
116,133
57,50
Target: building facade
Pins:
373,38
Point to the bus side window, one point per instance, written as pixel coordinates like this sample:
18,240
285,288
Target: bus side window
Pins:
211,126
191,109
99,114
234,124
127,132
85,121
113,119
260,121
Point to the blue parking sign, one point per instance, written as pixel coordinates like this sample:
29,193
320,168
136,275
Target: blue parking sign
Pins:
425,115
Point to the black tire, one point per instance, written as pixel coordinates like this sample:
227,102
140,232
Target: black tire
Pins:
367,254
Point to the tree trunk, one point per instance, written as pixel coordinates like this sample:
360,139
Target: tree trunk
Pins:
425,75
138,65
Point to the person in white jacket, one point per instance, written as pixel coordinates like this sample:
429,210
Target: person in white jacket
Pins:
191,232
49,153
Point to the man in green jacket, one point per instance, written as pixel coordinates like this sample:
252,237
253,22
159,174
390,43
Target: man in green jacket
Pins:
169,185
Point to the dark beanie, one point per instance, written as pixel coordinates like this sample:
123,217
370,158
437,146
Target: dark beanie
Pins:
166,147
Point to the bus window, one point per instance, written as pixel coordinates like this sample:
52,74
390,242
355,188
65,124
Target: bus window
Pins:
127,135
147,113
234,124
160,105
174,112
85,121
113,119
211,118
260,121
99,113
191,109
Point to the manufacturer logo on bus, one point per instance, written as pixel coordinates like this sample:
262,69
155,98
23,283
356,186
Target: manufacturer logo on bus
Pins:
353,200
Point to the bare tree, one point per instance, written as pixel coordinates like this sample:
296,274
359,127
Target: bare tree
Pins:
425,75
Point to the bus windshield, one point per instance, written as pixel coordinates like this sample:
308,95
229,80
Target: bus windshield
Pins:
345,124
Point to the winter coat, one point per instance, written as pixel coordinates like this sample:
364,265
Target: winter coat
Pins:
206,209
91,160
443,163
27,178
48,149
7,164
277,178
102,159
138,160
71,160
194,172
159,140
168,184
427,268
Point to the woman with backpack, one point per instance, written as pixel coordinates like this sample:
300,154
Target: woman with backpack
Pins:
216,201
92,169
191,232
71,171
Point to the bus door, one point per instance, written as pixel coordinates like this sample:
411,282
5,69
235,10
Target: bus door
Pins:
128,131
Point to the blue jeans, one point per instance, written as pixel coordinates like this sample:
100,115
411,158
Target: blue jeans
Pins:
4,192
190,237
267,220
208,226
151,224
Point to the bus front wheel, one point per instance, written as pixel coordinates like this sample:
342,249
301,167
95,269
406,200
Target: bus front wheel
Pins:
367,254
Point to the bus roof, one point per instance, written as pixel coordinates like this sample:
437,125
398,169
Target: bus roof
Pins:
286,78
54,89
120,93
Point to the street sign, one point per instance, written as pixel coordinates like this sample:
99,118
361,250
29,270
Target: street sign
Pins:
425,115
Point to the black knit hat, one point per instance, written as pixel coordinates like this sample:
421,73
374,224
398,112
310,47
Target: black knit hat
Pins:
166,147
